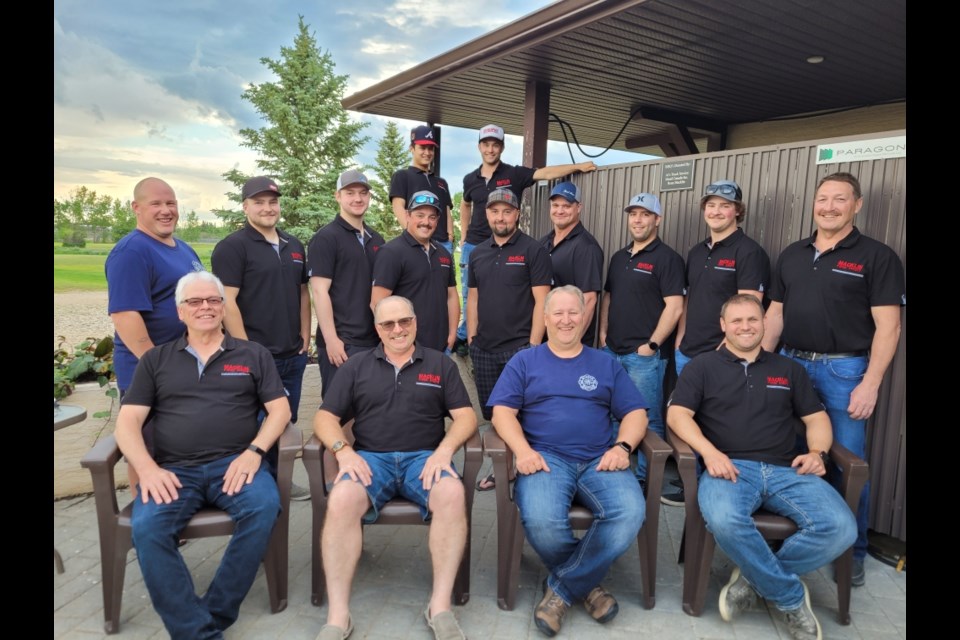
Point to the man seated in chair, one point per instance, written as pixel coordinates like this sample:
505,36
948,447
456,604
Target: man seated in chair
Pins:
552,406
202,393
739,408
398,395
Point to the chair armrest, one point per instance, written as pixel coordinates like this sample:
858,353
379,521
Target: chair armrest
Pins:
686,459
855,472
290,443
495,448
316,462
654,447
473,448
101,461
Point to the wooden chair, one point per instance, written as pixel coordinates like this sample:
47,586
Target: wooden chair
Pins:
115,527
322,468
699,544
510,535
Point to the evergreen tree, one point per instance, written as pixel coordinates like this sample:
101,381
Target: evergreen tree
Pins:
393,154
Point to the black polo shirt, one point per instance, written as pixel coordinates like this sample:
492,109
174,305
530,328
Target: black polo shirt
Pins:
396,411
749,411
503,277
198,417
405,268
269,283
407,182
577,260
335,252
637,284
827,299
713,275
476,189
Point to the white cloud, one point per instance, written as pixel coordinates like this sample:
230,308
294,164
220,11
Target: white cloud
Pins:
374,47
467,14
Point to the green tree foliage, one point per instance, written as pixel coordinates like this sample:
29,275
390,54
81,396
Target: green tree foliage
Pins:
98,218
393,154
308,139
455,212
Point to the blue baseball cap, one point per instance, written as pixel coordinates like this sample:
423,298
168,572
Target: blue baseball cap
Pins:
568,190
647,201
423,135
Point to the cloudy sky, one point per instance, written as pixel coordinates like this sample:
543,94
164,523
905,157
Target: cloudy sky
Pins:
153,88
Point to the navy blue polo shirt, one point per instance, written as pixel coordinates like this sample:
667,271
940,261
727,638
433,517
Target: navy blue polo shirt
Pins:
749,411
269,279
335,252
577,260
396,410
476,189
714,273
827,298
637,284
503,277
406,182
200,416
405,268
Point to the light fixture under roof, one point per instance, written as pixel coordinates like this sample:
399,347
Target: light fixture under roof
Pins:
815,59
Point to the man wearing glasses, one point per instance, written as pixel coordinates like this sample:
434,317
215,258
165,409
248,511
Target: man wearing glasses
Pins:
203,393
398,395
420,269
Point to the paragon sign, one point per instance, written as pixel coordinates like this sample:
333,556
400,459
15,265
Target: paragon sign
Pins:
876,149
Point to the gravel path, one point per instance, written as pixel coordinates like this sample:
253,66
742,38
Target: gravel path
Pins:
79,315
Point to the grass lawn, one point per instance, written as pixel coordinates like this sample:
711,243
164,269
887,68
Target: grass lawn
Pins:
81,269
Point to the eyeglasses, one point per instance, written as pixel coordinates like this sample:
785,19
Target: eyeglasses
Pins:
425,199
388,325
725,190
198,302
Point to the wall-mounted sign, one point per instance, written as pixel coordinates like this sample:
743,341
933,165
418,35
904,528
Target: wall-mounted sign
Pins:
876,149
676,175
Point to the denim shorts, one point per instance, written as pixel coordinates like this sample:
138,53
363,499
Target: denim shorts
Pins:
396,474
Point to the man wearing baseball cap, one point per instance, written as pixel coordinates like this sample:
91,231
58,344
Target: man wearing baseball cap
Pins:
493,174
576,255
340,267
266,299
431,283
642,303
509,278
420,177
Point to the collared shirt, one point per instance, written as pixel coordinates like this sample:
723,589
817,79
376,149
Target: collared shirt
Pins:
714,273
335,252
476,189
578,260
749,411
396,411
203,414
503,277
406,182
827,298
405,268
637,284
269,278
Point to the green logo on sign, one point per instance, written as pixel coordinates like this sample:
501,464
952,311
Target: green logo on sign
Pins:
826,154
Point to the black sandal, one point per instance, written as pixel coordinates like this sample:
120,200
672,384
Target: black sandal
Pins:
487,484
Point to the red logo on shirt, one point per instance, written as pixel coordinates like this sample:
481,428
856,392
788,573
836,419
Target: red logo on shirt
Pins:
376,248
503,183
296,256
445,260
517,259
726,262
236,368
779,381
432,378
849,266
646,266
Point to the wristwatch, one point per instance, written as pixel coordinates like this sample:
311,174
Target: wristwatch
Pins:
824,457
256,449
653,346
339,444
625,446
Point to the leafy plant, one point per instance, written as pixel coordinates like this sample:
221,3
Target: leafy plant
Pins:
88,361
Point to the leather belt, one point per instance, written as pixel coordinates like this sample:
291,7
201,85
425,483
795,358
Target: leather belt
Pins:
816,355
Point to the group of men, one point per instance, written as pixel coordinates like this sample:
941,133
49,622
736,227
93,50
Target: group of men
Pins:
387,312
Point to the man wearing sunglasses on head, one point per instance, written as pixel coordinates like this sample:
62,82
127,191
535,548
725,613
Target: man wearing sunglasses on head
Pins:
420,269
398,395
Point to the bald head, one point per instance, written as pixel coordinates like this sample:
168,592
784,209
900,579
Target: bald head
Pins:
155,205
143,187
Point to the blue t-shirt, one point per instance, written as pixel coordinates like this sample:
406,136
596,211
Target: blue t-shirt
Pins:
565,404
142,275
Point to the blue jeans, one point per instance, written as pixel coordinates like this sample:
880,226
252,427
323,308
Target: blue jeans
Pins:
834,380
826,528
327,370
156,529
646,372
465,251
448,246
680,360
291,373
544,498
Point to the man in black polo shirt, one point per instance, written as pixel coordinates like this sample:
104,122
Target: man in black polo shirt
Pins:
203,393
340,266
477,186
419,269
836,302
398,395
576,255
510,276
419,177
266,298
739,407
642,302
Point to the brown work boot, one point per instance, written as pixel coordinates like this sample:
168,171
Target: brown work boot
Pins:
601,605
550,612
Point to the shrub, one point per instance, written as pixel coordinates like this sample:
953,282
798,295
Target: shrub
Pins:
91,360
75,239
